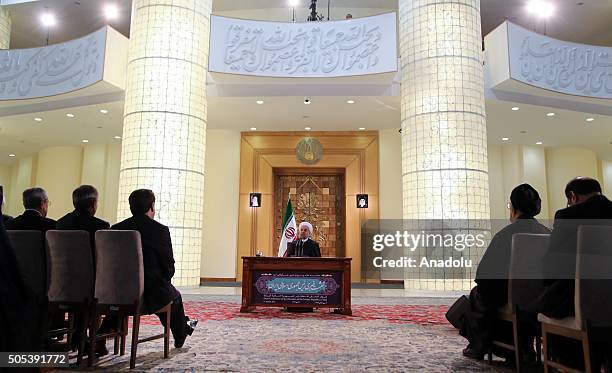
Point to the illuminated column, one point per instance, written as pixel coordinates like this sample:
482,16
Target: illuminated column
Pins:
5,28
444,138
164,126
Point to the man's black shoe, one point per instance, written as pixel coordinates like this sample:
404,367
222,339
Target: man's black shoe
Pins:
473,353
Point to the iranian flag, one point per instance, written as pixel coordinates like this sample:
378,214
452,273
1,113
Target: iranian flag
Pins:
289,233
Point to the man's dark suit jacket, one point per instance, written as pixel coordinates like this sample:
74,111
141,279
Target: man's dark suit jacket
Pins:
31,220
308,248
493,270
82,221
6,218
560,261
157,258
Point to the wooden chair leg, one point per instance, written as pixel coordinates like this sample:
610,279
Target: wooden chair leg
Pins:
124,332
167,333
517,349
545,346
93,332
586,352
118,335
83,334
135,329
70,330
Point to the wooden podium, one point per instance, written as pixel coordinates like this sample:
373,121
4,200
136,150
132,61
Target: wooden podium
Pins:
296,282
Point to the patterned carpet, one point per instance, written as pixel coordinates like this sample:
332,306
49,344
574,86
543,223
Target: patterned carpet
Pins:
377,338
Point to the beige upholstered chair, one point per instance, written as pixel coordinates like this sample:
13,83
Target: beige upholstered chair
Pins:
70,273
593,295
524,286
119,289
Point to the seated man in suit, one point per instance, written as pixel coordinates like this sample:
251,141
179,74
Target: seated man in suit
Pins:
36,203
304,245
586,205
85,201
158,261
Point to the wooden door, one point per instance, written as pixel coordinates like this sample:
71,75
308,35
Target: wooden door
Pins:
318,199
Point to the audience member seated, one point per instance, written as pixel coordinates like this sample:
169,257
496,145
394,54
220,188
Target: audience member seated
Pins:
586,205
491,291
158,260
36,204
85,201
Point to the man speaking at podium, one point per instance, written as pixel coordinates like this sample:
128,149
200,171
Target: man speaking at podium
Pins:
304,245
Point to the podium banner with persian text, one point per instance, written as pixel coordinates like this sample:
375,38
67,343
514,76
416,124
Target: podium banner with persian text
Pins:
304,49
297,288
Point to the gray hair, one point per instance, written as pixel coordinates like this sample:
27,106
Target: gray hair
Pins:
33,198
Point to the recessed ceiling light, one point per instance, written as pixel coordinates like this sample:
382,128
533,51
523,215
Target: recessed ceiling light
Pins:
350,101
590,119
253,128
111,11
362,128
294,3
11,155
550,114
70,115
539,143
541,8
85,141
307,128
505,139
48,19
103,111
516,108
523,131
307,101
259,102
118,137
38,119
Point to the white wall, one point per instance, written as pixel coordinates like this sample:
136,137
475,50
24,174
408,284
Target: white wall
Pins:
59,170
220,234
5,181
59,173
564,164
390,174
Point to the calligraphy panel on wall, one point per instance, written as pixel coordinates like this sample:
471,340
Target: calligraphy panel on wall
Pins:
54,69
570,68
310,49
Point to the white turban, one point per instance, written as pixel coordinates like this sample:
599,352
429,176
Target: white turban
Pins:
307,225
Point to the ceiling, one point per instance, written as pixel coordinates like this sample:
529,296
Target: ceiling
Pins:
587,23
21,135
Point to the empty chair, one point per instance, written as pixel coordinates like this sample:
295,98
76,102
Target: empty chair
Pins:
70,273
592,299
119,289
524,287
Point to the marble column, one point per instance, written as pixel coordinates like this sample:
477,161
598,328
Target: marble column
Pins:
5,28
444,137
164,127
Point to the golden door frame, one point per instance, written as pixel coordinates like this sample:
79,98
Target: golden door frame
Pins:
263,152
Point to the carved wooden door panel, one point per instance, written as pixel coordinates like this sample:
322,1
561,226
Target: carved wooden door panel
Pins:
318,200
